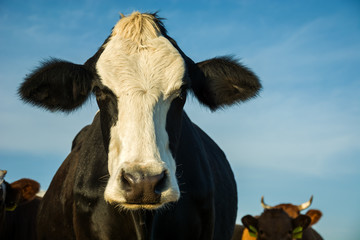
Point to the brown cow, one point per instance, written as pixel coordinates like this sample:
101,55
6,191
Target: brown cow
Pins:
276,224
292,210
19,205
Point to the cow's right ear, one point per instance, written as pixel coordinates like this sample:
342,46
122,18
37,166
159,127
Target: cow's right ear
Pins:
251,223
57,85
315,215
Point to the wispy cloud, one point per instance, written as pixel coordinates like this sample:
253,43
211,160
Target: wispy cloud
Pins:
309,49
288,134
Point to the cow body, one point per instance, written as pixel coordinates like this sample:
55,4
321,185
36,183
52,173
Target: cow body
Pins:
81,196
141,169
20,224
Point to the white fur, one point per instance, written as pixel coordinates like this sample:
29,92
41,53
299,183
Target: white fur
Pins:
146,76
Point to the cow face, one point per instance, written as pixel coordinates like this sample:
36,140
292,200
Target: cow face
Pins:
275,224
146,74
140,78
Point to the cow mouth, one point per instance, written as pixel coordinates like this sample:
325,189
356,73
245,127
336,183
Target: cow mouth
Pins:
141,205
137,206
141,191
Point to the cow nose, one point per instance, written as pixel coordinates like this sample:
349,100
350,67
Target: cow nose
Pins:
141,188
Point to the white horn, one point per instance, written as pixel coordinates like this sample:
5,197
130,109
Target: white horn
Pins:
2,175
305,205
265,206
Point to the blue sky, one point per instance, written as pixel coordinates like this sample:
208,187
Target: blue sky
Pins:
300,137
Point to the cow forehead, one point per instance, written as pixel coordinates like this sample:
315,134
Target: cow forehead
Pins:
290,209
138,60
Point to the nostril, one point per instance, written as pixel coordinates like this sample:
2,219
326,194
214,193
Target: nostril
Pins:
160,185
127,181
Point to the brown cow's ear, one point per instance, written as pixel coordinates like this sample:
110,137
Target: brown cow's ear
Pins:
57,85
223,81
251,223
315,215
26,189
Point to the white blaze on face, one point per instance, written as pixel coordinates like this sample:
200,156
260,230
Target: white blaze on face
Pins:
145,72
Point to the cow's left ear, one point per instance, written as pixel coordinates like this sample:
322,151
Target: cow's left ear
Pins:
223,81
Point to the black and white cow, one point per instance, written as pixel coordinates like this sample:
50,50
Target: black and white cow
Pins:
142,169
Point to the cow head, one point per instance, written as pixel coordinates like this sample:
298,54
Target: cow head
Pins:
20,192
140,78
276,224
16,193
294,210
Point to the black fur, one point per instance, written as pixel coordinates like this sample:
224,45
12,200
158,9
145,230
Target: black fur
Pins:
223,81
57,85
